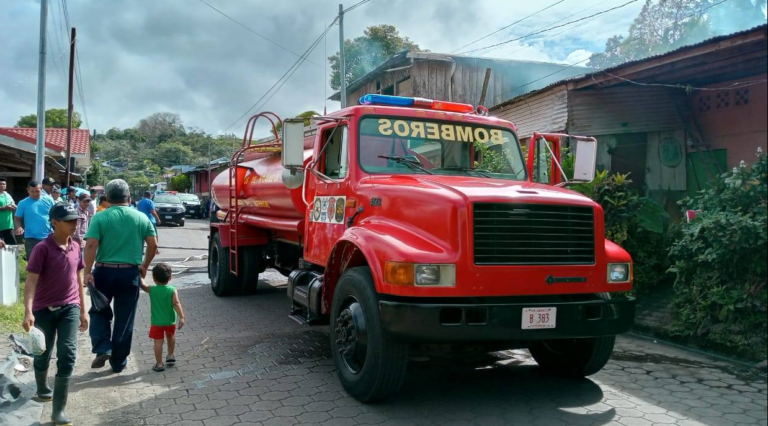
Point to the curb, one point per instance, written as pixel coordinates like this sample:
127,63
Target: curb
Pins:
697,351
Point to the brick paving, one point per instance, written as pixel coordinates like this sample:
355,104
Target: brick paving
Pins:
242,361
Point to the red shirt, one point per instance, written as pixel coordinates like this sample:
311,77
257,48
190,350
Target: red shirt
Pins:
57,267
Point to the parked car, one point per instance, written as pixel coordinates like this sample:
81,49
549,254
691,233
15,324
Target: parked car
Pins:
193,205
170,209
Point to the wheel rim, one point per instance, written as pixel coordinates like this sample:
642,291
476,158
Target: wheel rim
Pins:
352,336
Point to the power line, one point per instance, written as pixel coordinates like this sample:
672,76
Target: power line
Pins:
355,6
552,28
567,29
688,87
251,30
285,77
509,26
601,69
78,73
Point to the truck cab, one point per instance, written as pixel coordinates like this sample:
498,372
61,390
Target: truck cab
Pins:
420,222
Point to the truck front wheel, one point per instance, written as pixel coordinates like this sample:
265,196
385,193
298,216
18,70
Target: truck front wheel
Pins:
223,283
574,357
371,365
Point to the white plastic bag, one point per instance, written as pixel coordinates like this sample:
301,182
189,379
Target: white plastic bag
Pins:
36,341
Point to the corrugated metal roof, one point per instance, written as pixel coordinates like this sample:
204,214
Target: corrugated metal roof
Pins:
616,68
547,113
623,110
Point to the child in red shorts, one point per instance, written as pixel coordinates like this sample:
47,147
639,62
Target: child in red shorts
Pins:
166,309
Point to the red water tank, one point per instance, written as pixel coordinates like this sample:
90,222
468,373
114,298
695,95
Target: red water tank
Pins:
260,189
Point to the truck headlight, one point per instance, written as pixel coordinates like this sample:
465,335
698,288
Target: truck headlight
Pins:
437,275
420,274
619,272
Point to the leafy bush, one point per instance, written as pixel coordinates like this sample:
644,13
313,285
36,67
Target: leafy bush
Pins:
636,223
720,263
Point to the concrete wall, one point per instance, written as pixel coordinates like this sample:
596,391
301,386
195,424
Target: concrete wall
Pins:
734,119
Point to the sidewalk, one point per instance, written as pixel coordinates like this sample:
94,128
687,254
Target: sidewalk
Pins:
242,361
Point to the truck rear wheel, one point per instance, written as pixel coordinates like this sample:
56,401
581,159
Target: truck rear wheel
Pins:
251,259
574,357
223,283
370,364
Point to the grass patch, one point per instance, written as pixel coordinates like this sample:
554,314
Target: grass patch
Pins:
12,316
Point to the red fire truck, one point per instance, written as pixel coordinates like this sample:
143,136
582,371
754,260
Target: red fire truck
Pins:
406,222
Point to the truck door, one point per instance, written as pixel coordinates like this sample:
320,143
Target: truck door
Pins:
327,219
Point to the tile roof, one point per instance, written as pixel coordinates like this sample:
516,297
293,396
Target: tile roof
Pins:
55,139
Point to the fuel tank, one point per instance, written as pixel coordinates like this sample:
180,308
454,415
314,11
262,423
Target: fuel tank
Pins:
259,188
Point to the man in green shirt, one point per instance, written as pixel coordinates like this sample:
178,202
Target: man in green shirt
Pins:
7,207
114,243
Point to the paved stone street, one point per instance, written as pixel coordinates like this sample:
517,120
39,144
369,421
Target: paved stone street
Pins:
243,361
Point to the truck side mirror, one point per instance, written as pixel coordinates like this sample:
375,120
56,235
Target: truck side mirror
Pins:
293,144
293,153
585,161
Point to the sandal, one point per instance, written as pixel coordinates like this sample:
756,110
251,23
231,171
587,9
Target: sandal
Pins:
170,360
158,368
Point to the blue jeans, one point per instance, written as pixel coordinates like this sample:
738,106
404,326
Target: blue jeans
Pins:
60,325
120,286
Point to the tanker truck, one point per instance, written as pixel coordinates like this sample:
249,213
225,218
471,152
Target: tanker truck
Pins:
406,222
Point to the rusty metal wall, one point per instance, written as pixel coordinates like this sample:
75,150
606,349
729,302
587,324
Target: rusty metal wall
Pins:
623,110
543,112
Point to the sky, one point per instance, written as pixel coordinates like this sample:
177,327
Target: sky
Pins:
138,57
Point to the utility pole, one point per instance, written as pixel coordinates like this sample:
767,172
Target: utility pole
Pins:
40,147
342,59
70,104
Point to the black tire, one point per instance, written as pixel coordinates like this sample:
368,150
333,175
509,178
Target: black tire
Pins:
181,224
223,283
251,259
574,358
371,365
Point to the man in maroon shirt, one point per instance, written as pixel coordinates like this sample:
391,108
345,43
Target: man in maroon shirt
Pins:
54,303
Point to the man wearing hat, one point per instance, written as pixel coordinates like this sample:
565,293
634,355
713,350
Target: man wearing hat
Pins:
54,302
48,184
56,194
31,217
72,196
84,202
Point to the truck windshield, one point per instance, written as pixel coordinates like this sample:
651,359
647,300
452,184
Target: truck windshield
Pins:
189,197
391,145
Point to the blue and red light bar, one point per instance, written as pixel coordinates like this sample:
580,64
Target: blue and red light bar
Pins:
401,101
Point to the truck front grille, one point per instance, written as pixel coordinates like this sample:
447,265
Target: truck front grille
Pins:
533,234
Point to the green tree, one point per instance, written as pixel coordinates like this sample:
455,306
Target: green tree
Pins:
96,174
173,153
160,127
138,183
363,54
306,115
180,183
54,119
665,25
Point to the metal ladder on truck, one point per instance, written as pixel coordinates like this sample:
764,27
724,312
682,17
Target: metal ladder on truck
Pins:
233,215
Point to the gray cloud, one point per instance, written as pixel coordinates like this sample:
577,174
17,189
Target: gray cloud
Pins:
144,56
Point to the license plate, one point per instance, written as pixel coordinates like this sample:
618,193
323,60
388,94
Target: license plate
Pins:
539,318
169,217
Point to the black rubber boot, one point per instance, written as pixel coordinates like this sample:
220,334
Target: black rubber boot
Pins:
44,393
60,394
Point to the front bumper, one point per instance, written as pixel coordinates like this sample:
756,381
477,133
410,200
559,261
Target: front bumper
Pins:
166,217
501,320
194,210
